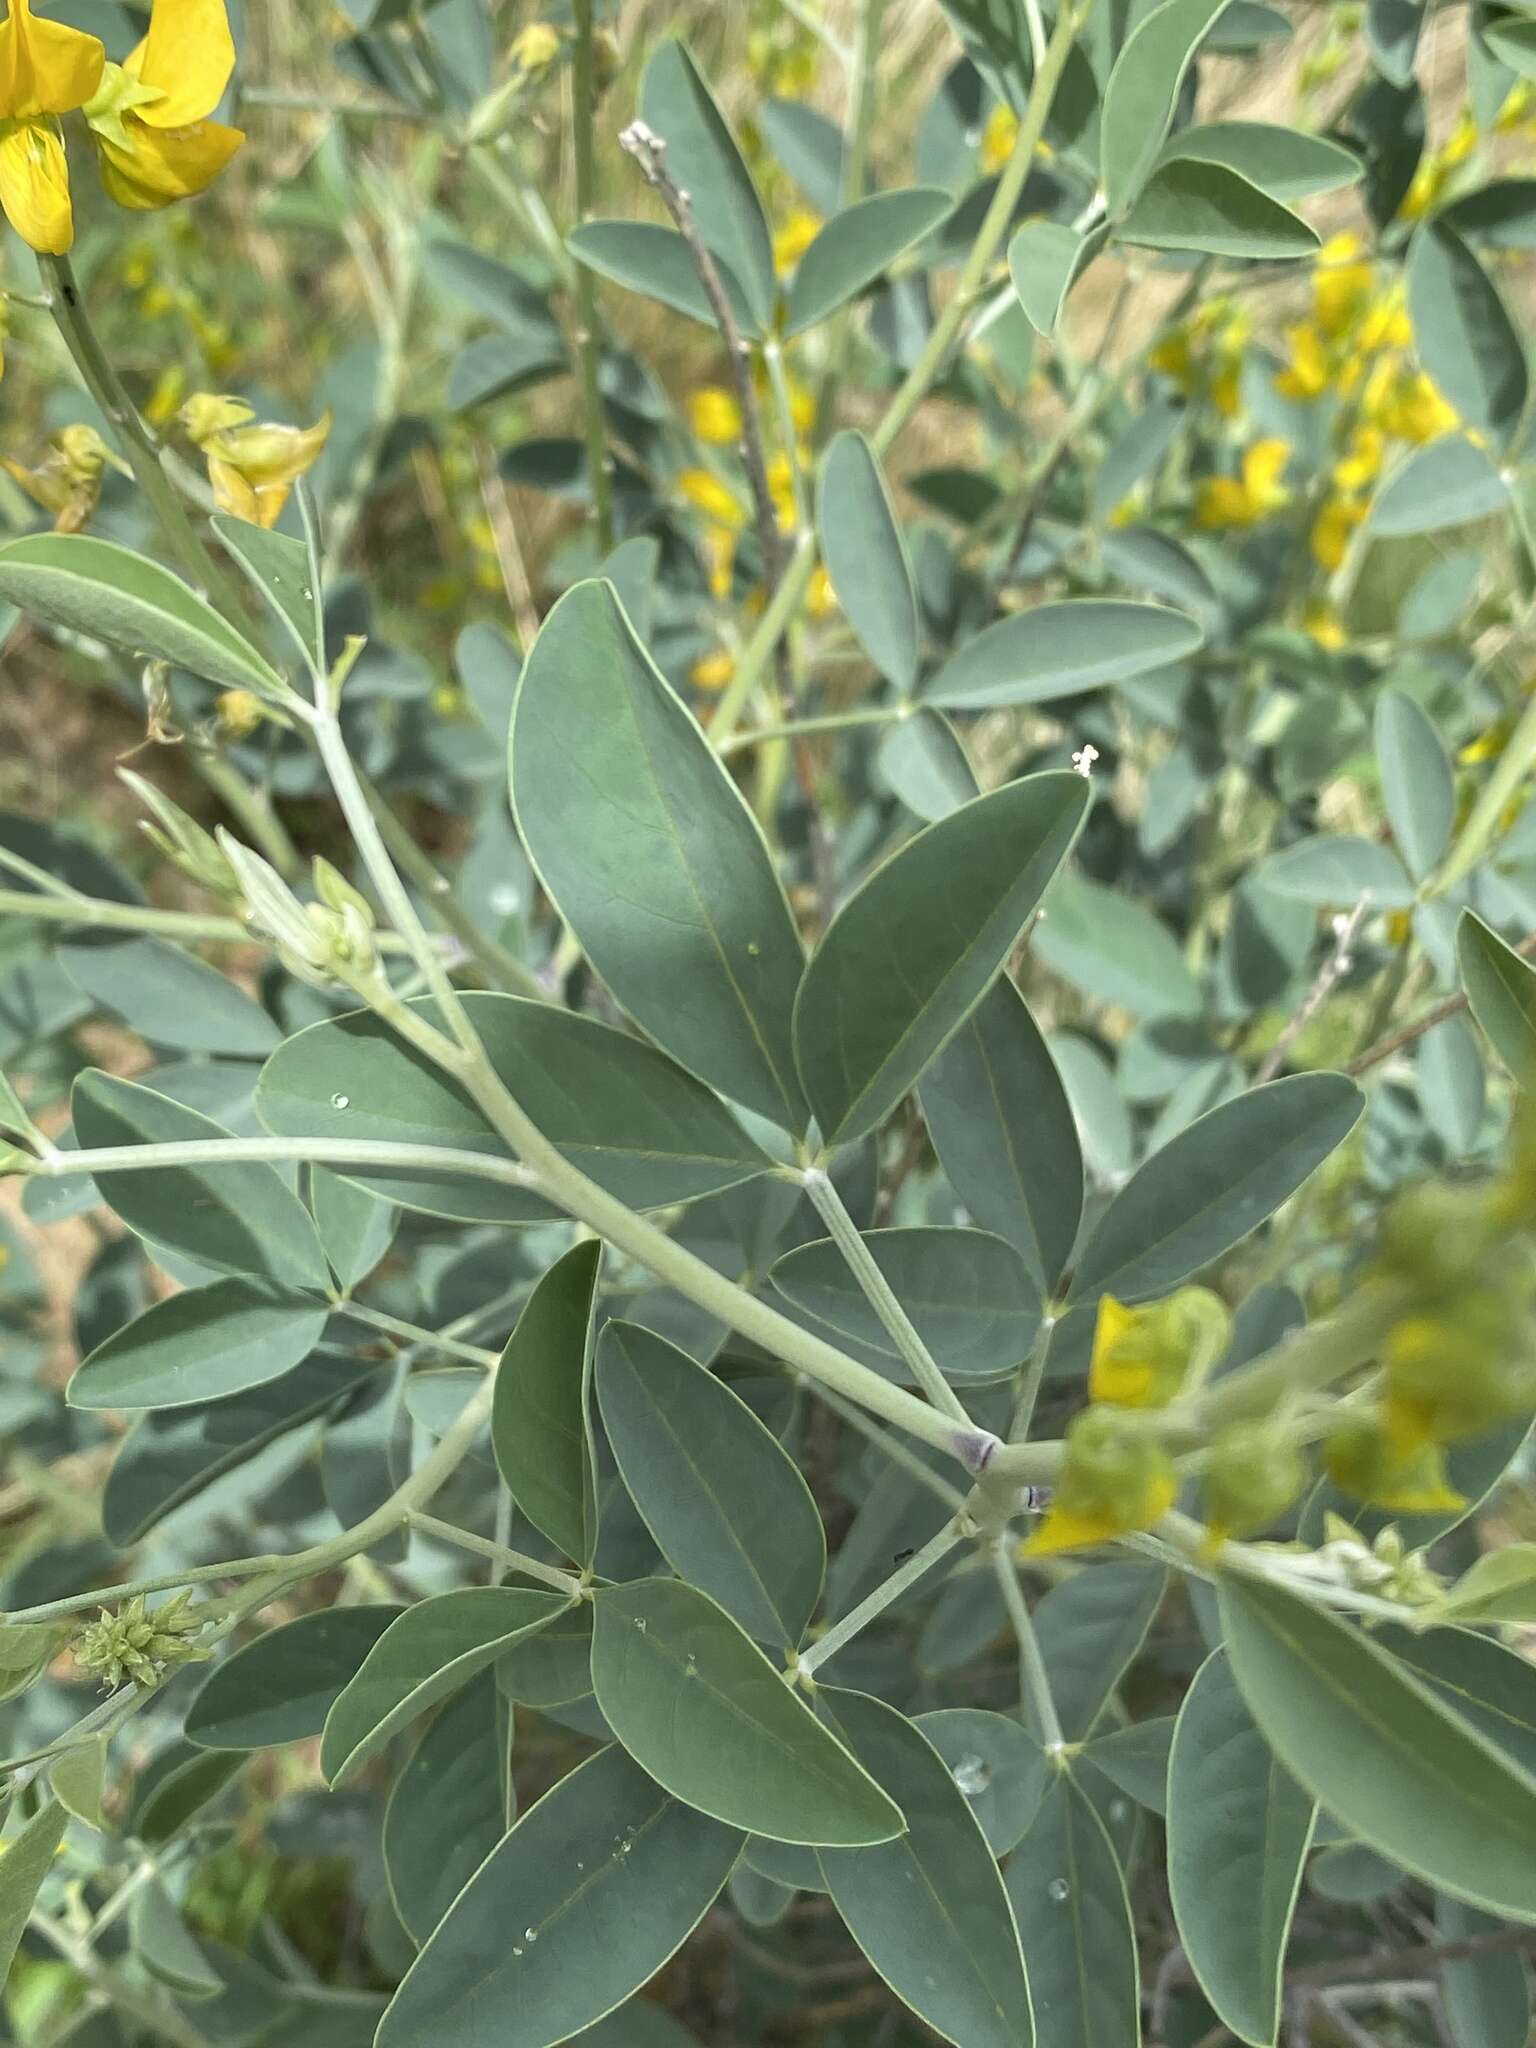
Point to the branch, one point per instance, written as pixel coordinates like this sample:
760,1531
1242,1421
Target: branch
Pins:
1346,929
1452,1006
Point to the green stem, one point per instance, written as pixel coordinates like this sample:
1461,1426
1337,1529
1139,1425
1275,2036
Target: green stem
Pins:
414,1335
917,1566
123,917
759,650
1034,1679
510,1560
164,2020
502,969
599,471
251,808
892,1447
863,97
381,1154
1029,1386
169,1582
832,721
877,1291
989,239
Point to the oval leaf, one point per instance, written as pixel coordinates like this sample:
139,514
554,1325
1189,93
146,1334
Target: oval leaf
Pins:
281,1687
866,557
700,1708
1060,650
203,1344
1464,333
858,245
541,1429
447,1811
1501,989
908,958
1143,90
653,857
1213,211
1075,1924
724,1501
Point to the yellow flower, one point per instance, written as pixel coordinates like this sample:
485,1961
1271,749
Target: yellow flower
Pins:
998,138
46,70
1114,1478
820,597
1359,1457
1415,410
166,397
239,713
1434,171
713,671
1306,376
1333,529
1143,1357
1244,500
535,48
150,115
705,492
1517,107
252,465
802,405
781,488
714,415
67,482
794,238
720,559
1342,285
1360,465
1323,624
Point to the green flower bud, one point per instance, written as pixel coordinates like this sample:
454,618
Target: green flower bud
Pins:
1146,1357
1114,1478
1361,1458
1254,1473
138,1645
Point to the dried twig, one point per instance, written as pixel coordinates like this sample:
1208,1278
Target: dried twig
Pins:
1346,929
1452,1006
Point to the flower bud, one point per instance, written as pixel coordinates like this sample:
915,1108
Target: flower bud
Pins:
1144,1357
181,840
143,1646
1253,1474
67,482
1114,1478
1463,1369
1363,1460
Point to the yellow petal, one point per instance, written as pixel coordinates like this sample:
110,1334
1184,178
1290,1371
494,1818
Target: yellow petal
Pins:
162,165
34,187
1062,1529
231,492
188,55
45,68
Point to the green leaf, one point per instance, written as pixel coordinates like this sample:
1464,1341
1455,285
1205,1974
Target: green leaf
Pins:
1334,870
1500,1586
553,1666
1511,39
969,1296
702,155
1453,1087
169,997
1114,949
1376,1745
1143,90
582,1903
1464,333
858,245
929,1909
162,1943
242,1218
1417,782
1089,1630
1481,1682
1060,650
809,146
996,1764
866,558
624,1113
1501,989
1135,1760
278,566
446,1813
174,1786
656,261
922,761
1281,161
1075,1925
355,1227
652,855
1211,211
27,1648
1001,1123
78,1778
281,1687
98,588
541,1426
1213,1183
908,958
1486,1998
1045,259
26,1862
723,1499
426,1653
1449,483
700,1708
1238,1830
203,1344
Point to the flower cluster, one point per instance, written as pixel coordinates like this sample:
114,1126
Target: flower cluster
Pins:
252,465
148,117
139,1644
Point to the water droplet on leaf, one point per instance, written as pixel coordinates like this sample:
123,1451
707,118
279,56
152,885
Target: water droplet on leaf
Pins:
341,1101
1058,1891
973,1774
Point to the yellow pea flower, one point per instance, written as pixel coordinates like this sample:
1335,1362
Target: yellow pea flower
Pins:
720,559
705,492
252,465
1246,499
46,70
1333,529
1114,1478
1359,1458
794,238
1360,465
1144,1357
67,482
150,115
714,415
998,138
1322,623
713,671
1306,375
535,48
820,597
1418,412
